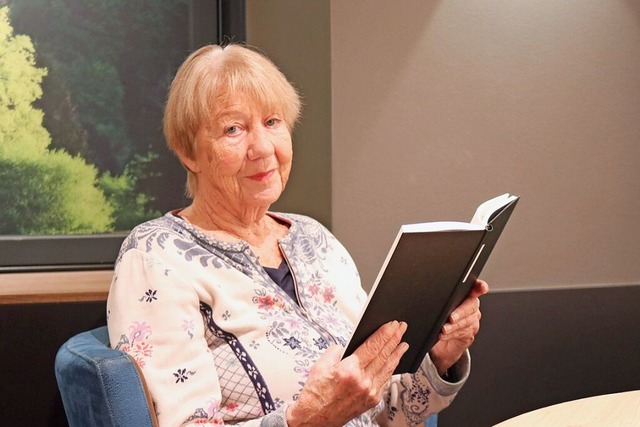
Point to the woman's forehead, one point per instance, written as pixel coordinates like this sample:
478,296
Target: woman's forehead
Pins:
241,105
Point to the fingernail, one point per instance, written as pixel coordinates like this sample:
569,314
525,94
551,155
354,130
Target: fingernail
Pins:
455,316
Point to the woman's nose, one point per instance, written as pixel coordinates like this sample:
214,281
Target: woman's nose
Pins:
260,145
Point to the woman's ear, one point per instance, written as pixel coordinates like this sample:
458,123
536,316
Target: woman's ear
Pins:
190,164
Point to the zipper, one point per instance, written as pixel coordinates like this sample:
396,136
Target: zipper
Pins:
323,331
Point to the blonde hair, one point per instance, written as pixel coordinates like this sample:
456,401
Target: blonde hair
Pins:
211,76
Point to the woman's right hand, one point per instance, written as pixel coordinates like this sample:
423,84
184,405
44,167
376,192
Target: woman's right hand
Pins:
340,390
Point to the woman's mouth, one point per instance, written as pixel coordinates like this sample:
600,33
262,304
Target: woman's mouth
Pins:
262,176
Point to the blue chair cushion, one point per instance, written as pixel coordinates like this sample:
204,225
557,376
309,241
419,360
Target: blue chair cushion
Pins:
101,386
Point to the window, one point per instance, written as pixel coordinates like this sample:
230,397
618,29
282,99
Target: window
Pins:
82,155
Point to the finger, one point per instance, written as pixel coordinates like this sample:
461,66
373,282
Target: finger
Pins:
383,366
467,325
468,307
396,355
479,288
380,345
390,365
380,338
466,334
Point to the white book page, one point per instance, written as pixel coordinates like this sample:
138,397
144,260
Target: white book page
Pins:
487,208
439,226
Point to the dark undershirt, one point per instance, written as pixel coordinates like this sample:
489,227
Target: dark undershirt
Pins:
283,278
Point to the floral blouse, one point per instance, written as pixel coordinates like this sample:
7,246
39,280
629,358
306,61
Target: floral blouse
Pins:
219,342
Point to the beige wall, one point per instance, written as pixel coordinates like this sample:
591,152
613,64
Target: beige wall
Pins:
296,36
438,105
419,110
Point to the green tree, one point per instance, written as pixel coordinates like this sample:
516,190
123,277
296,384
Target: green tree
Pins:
51,194
21,131
110,63
42,191
122,192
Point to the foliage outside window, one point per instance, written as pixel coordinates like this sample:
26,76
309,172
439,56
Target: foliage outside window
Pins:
82,89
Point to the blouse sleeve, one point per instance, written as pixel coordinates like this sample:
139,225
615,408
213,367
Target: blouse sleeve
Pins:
411,398
154,315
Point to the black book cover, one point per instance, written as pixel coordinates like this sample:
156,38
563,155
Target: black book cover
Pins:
427,275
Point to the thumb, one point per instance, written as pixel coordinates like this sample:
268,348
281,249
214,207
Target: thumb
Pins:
327,361
331,356
334,353
479,288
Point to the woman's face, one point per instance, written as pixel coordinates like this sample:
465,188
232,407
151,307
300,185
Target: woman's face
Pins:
243,157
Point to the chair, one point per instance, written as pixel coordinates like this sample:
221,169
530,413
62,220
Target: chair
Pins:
101,386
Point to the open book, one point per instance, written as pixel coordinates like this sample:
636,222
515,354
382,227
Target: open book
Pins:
429,271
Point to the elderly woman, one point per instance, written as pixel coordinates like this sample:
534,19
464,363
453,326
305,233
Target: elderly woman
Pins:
240,315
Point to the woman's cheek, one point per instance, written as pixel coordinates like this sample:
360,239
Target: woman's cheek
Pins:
226,162
285,170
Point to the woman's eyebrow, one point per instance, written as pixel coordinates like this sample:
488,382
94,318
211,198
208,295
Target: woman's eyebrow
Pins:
229,113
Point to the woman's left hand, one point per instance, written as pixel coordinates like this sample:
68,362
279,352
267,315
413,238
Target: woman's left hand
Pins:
458,333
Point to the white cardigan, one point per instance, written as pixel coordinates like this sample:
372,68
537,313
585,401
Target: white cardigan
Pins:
219,342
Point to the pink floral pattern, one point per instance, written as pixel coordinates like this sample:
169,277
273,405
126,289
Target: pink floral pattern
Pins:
136,343
188,326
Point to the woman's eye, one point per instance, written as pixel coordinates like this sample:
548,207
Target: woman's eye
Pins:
232,130
272,122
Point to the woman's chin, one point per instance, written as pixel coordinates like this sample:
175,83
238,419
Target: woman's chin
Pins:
264,198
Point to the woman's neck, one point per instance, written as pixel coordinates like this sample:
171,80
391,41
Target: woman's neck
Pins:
251,224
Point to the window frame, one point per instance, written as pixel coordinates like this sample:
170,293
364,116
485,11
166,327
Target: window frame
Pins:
19,253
